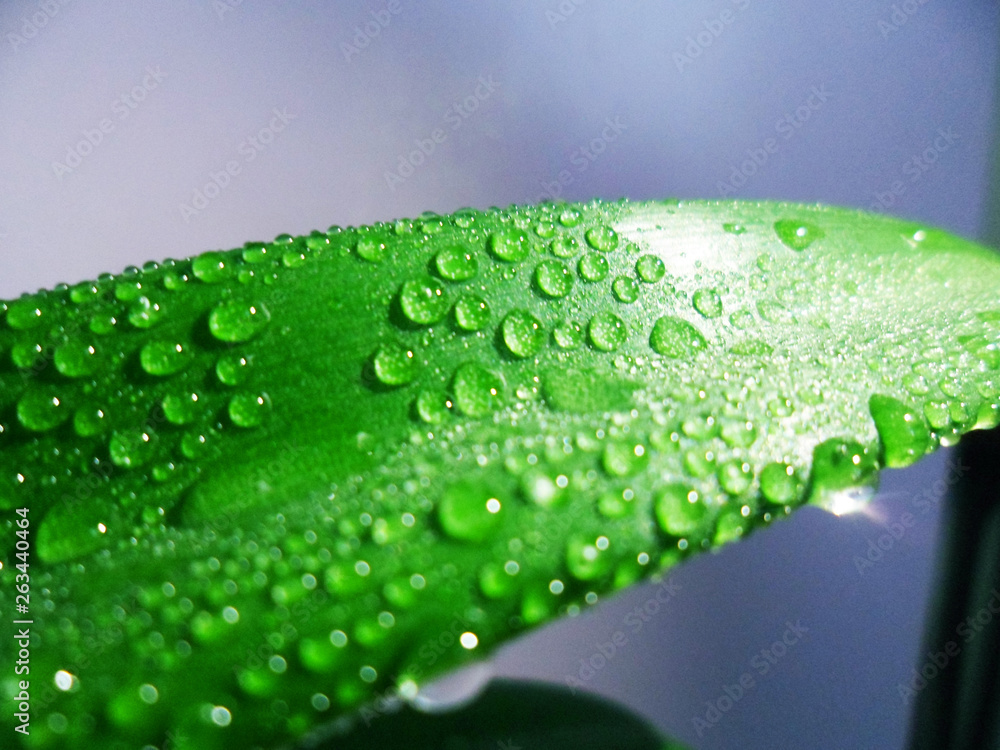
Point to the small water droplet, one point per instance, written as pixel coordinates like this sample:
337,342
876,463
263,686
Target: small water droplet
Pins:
211,267
903,432
181,408
568,335
131,448
779,484
89,420
735,476
143,313
41,410
564,247
570,217
733,228
798,235
679,510
24,314
76,359
232,369
476,390
432,407
841,464
470,511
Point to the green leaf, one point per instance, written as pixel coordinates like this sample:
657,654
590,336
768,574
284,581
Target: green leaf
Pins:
337,465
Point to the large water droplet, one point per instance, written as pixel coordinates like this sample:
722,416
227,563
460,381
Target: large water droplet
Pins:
456,264
779,484
568,335
602,238
587,557
248,409
164,357
394,364
41,410
76,359
181,408
143,313
131,448
232,369
607,331
593,267
234,321
626,289
735,476
24,314
476,390
798,235
211,267
564,247
650,269
679,510
511,245
841,464
708,303
904,434
423,301
469,511
676,338
553,278
522,333
371,249
89,420
472,313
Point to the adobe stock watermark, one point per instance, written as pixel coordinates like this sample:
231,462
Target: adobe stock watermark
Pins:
121,109
931,496
713,29
938,661
916,167
249,149
562,12
32,24
786,127
901,13
370,30
454,117
605,651
760,664
224,7
581,158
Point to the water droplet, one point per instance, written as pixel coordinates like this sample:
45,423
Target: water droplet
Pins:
841,464
708,303
522,333
607,331
41,410
89,420
903,432
545,229
588,558
798,235
455,263
568,335
232,369
234,321
779,484
650,269
553,278
432,407
510,245
476,390
394,364
602,238
593,267
24,314
738,433
623,459
211,267
248,409
733,228
570,217
131,448
164,357
181,408
423,301
752,348
102,324
735,477
626,289
679,510
774,312
676,338
471,313
76,359
143,313
564,247
27,354
470,511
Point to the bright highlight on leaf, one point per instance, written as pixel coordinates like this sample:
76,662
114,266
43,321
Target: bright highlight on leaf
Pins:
338,463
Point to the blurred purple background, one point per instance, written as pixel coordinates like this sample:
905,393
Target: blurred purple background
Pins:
132,131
